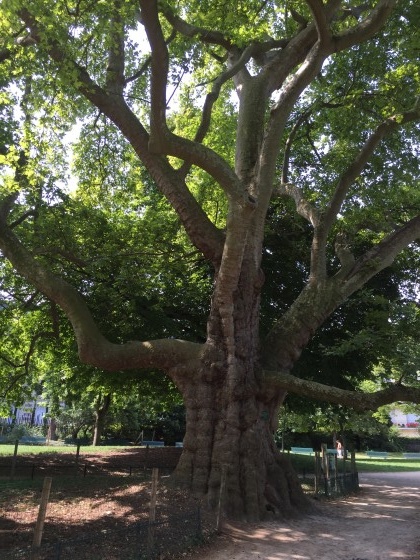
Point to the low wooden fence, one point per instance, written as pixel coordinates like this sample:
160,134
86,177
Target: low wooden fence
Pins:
18,467
160,533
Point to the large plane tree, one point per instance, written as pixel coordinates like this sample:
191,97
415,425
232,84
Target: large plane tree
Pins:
297,117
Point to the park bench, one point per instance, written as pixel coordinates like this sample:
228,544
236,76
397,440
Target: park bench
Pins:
302,450
411,455
377,454
153,443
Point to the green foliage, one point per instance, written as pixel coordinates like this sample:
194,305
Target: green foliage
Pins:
18,431
92,214
74,420
137,419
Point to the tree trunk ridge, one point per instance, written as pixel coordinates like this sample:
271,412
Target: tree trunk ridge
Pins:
234,435
231,418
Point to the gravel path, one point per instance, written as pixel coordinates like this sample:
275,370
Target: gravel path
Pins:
381,522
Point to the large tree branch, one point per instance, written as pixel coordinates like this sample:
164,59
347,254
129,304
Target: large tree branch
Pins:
205,236
162,141
385,252
298,48
115,80
209,36
323,221
378,257
366,28
93,347
318,300
303,207
321,20
353,399
311,46
356,167
279,114
159,68
236,67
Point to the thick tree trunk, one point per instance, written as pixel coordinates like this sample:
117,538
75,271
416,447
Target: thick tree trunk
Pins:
235,435
231,420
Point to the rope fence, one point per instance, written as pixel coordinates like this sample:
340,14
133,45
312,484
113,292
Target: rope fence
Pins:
89,518
21,467
173,535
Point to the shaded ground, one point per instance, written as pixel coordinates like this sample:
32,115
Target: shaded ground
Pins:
382,522
112,461
101,496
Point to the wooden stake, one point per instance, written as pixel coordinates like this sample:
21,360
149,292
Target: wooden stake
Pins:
42,512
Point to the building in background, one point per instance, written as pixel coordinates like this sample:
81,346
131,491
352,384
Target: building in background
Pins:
404,420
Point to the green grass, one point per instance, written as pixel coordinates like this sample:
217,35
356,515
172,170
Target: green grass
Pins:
6,449
394,463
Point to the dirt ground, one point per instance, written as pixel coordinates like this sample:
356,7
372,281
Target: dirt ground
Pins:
382,522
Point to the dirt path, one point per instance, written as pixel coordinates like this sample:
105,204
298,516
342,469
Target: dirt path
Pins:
382,522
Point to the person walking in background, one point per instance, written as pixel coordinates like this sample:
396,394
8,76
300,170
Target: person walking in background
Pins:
339,448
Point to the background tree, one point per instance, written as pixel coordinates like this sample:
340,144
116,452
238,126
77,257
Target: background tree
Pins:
313,102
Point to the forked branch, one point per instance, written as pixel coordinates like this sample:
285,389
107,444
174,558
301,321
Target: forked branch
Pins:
353,171
353,399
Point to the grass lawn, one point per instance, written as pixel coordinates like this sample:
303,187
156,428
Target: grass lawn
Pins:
6,449
394,463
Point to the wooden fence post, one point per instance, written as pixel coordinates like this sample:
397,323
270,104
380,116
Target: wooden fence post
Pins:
152,514
42,512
